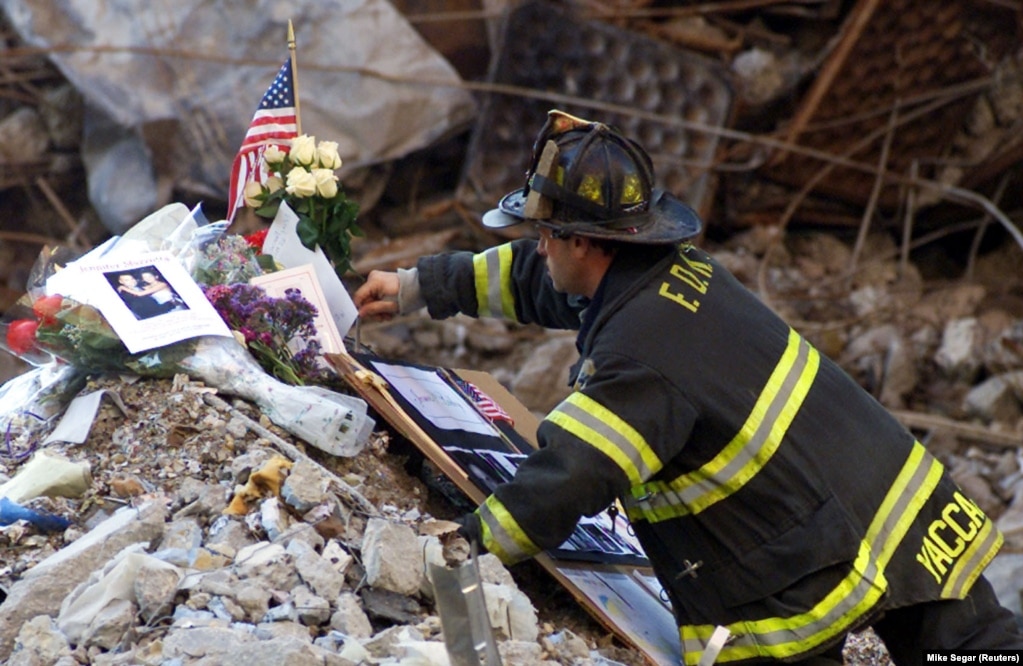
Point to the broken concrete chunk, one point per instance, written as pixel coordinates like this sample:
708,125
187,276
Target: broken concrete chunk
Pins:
390,606
306,486
383,643
40,642
254,599
994,400
312,610
391,555
320,574
512,615
116,580
155,587
959,355
44,586
349,618
111,626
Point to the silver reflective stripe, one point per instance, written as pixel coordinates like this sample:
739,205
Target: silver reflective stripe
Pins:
609,439
509,549
492,272
761,445
494,281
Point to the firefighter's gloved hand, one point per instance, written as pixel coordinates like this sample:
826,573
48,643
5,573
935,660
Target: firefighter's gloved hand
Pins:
469,529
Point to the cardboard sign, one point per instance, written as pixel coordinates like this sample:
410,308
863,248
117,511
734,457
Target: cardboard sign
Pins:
601,566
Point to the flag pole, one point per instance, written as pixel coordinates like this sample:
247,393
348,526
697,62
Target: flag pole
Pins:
294,76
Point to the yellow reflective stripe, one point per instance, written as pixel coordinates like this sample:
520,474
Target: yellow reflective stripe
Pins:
778,638
492,273
972,562
918,478
654,501
756,442
859,591
598,426
502,535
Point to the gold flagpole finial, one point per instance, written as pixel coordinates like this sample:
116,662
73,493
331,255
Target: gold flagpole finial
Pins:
294,75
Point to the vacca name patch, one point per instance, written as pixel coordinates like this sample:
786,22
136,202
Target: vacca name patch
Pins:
691,279
947,537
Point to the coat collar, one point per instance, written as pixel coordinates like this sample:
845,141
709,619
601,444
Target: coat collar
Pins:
632,268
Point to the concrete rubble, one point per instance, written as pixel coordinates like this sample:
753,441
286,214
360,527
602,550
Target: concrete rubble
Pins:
175,557
163,571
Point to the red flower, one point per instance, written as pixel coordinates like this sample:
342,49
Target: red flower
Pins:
47,307
21,335
256,239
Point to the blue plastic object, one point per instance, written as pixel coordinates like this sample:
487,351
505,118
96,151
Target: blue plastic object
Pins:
11,512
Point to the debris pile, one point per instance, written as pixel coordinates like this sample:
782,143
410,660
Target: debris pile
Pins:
201,526
194,537
192,528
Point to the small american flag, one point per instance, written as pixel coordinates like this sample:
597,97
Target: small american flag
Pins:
274,123
484,402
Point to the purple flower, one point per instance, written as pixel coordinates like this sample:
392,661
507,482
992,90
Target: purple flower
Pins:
270,326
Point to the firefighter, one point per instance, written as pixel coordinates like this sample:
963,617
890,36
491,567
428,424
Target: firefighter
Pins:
779,504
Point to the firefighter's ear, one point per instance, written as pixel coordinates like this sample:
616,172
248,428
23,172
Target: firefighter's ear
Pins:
582,247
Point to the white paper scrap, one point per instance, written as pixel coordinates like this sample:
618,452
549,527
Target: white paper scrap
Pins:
79,416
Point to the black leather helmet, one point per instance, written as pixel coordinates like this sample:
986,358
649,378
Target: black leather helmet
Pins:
587,179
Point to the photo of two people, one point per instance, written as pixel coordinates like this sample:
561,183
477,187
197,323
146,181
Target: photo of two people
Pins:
145,291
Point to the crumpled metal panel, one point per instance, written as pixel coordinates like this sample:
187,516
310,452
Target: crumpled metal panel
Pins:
892,52
548,49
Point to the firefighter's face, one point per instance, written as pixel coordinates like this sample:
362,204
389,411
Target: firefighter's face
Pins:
561,262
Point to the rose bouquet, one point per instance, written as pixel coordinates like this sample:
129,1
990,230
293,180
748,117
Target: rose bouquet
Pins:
229,259
304,177
55,329
79,335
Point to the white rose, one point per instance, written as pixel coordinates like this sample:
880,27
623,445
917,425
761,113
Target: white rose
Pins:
328,155
253,193
326,183
303,150
274,183
274,156
301,183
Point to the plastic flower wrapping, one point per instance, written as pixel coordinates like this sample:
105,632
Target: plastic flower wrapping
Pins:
304,177
270,357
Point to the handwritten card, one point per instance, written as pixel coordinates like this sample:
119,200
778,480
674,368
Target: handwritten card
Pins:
304,279
434,398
